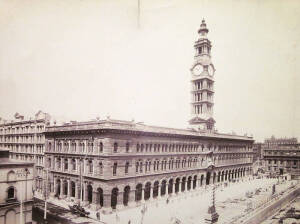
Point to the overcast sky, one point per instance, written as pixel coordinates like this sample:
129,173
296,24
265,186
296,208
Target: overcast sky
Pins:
79,59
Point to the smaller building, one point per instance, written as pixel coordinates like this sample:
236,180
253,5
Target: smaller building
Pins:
24,138
16,197
282,157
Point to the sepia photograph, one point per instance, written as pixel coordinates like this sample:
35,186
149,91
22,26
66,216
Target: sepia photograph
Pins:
149,112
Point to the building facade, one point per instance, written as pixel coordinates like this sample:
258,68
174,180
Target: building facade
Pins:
124,163
16,182
282,156
26,141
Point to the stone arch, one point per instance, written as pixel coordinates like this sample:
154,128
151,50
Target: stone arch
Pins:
147,190
126,195
183,181
170,186
195,182
65,187
11,176
208,174
155,189
201,179
138,192
163,187
58,183
10,216
177,183
114,197
189,183
100,196
90,193
73,188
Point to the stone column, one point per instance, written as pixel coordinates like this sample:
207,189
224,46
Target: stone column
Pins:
95,201
120,200
131,198
61,188
185,186
179,190
68,193
77,190
167,190
151,193
159,191
106,203
173,188
85,192
143,195
54,186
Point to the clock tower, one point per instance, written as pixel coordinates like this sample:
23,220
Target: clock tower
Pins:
202,80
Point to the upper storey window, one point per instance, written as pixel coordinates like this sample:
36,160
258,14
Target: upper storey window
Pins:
115,147
127,147
100,147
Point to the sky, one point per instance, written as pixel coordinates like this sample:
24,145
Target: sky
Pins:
82,59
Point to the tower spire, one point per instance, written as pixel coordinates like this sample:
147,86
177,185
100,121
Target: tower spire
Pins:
202,91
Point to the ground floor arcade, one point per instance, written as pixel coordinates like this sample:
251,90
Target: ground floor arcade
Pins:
109,195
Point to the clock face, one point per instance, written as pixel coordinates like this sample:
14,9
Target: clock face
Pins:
198,69
211,70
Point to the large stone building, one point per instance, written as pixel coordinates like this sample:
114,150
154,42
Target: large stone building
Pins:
282,156
111,163
16,182
26,141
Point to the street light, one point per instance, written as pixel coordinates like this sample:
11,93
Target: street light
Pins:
212,216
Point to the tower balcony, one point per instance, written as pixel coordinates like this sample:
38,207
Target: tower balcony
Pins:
211,89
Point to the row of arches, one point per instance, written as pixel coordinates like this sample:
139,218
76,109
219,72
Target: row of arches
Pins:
147,190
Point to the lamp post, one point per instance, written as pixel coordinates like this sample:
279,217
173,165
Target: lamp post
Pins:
212,216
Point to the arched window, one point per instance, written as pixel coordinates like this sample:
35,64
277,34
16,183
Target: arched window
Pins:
66,164
127,147
141,167
137,167
73,146
115,147
11,193
126,167
73,164
137,147
115,169
81,145
100,168
90,164
66,146
90,147
100,147
49,146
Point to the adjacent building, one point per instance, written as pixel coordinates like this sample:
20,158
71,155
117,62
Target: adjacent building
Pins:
16,182
26,141
112,164
282,156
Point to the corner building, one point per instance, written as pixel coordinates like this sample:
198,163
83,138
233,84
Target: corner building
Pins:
25,140
110,164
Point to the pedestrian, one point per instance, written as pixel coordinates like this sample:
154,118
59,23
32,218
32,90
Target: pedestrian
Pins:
98,215
129,222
